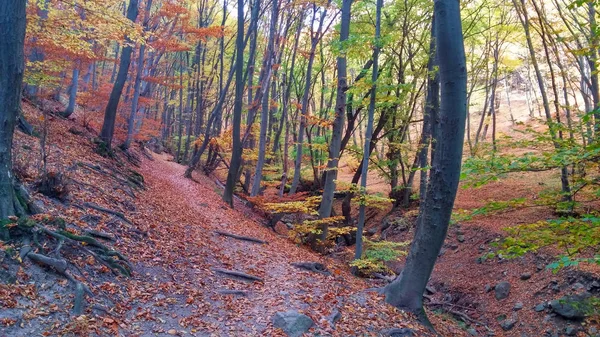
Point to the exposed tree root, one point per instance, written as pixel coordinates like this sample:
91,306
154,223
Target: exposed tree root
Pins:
233,292
238,274
107,211
240,237
100,235
312,266
30,230
132,179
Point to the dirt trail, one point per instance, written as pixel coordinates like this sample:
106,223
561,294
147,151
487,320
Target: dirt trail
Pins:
176,289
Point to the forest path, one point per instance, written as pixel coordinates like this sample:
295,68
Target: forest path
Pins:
178,291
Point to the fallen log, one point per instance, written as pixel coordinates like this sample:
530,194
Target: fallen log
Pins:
238,274
315,267
240,237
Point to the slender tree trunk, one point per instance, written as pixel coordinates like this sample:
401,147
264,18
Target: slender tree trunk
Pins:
593,64
432,107
110,115
113,73
555,133
137,82
236,155
287,81
304,112
265,86
72,93
367,151
406,291
338,123
180,127
136,98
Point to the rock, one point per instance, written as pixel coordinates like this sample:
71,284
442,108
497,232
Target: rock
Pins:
540,307
525,276
487,288
508,324
539,266
574,307
518,306
593,330
372,231
595,284
502,290
334,317
293,323
442,252
578,286
431,289
472,332
402,332
460,238
570,331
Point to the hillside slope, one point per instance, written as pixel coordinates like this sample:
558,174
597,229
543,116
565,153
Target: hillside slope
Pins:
166,227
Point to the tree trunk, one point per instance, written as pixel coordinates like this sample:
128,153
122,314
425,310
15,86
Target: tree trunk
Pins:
338,123
265,86
315,37
406,291
367,150
110,115
12,65
72,93
136,98
236,155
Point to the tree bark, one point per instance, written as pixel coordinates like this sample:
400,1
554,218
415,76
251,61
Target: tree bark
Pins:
315,38
110,115
236,155
406,291
265,86
12,65
72,93
369,134
338,123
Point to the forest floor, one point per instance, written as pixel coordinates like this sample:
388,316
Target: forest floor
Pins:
463,281
167,230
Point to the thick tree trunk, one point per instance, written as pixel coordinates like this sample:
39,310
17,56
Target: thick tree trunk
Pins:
406,291
12,65
110,115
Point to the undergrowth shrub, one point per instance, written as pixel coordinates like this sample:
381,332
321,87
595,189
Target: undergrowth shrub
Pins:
377,253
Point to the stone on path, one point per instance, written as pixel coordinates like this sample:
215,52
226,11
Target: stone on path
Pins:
293,323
